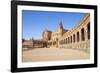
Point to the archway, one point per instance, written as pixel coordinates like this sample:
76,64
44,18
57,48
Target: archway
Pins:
82,34
88,31
78,37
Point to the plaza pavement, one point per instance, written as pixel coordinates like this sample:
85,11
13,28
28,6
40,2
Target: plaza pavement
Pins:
53,54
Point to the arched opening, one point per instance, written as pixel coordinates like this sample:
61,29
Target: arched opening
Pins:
74,38
88,30
68,40
78,37
82,34
71,39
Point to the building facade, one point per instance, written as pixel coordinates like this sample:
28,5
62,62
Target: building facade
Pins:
33,44
76,38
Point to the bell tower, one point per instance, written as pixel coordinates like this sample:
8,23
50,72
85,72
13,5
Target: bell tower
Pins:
60,28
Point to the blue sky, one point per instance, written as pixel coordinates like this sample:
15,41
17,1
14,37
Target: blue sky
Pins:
35,22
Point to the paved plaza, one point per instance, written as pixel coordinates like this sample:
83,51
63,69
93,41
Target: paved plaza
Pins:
53,54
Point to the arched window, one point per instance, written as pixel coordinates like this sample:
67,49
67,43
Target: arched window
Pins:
78,37
82,34
74,38
88,30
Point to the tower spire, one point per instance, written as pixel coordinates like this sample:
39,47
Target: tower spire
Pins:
60,27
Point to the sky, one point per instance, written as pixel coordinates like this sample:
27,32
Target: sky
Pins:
35,22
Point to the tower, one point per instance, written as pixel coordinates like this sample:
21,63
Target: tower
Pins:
60,28
46,35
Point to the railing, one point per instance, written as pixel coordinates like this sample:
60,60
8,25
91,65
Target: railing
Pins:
83,45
